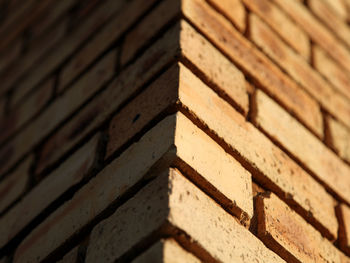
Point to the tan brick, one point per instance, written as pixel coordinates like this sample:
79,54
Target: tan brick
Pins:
340,137
70,173
282,24
14,185
215,68
172,199
338,26
59,110
334,73
128,83
339,7
286,233
299,69
71,257
147,28
343,258
103,39
22,113
166,144
343,212
303,145
166,251
234,10
317,32
254,62
271,166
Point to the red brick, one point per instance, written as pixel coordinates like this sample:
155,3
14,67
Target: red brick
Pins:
233,10
334,73
68,174
271,166
15,184
299,69
59,110
317,32
332,19
169,143
147,28
242,52
214,67
340,138
169,203
103,39
343,212
286,233
22,113
282,24
283,128
125,85
166,251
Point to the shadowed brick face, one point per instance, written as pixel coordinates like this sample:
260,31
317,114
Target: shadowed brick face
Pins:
175,131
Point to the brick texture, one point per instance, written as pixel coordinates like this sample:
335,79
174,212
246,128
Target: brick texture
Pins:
175,131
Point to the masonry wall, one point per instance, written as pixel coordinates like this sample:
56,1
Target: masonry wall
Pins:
175,131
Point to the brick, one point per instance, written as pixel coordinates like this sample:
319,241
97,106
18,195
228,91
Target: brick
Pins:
299,69
172,199
340,138
21,114
164,145
68,174
166,251
214,67
339,7
343,212
304,146
254,62
282,24
129,82
71,257
103,39
334,73
15,184
58,111
270,166
332,19
317,32
148,27
343,258
286,233
234,10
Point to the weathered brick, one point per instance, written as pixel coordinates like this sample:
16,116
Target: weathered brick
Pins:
303,145
234,10
334,73
343,212
254,62
59,110
299,69
103,39
71,172
166,251
214,67
125,85
147,28
22,113
332,19
14,185
271,166
71,257
340,138
172,199
166,144
317,32
286,233
282,24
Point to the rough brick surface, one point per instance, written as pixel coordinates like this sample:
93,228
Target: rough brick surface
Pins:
340,136
166,251
344,229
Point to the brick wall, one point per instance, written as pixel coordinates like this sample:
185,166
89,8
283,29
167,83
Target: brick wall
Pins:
175,131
